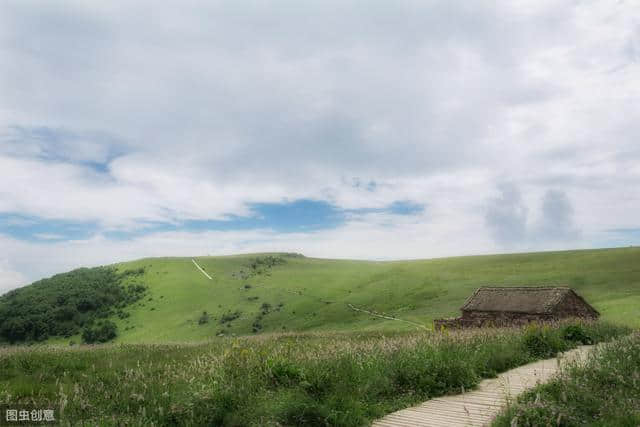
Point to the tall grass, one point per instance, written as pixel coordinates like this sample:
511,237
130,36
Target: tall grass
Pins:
288,379
603,392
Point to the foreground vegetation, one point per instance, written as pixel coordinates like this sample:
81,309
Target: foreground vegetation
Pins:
287,379
603,392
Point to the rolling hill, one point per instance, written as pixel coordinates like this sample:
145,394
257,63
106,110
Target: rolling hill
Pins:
259,293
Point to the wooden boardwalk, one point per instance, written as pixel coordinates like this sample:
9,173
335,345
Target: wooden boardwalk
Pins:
481,405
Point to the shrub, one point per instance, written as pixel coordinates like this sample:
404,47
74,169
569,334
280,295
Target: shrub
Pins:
104,331
543,342
577,334
284,373
204,318
300,410
229,316
265,307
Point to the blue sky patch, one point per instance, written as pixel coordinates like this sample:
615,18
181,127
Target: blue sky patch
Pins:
626,231
300,215
288,217
405,207
616,237
24,227
94,150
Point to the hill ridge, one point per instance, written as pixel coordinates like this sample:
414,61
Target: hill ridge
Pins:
276,292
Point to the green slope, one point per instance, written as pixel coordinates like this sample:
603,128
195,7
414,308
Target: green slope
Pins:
314,294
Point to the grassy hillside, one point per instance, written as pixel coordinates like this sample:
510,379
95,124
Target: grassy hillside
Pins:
306,294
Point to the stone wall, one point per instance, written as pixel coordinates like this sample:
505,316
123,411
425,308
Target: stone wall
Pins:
477,319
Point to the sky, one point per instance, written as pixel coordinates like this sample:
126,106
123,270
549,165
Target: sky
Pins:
341,129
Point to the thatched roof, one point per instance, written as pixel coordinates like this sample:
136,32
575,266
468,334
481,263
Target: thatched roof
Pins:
534,300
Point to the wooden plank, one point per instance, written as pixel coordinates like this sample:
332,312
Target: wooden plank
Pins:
454,416
479,406
398,421
459,408
408,419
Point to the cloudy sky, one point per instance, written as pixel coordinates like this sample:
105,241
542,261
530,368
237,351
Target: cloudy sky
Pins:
378,130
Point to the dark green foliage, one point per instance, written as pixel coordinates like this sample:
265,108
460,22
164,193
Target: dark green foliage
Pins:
266,308
284,372
259,265
543,342
229,316
103,331
291,255
603,392
204,318
133,272
123,314
435,375
65,303
577,334
267,261
256,326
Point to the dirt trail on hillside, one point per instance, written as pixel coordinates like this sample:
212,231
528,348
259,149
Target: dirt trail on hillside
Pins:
382,316
201,269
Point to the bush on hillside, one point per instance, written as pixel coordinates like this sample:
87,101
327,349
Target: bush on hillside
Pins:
104,331
204,318
66,303
265,307
229,316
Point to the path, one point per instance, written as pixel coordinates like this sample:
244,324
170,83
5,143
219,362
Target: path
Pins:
480,406
200,268
354,308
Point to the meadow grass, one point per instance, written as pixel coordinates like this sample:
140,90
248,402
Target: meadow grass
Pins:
603,392
317,379
309,294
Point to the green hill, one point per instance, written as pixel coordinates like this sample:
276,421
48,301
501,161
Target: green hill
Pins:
259,293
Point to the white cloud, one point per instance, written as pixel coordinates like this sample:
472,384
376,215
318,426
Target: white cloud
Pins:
119,113
10,279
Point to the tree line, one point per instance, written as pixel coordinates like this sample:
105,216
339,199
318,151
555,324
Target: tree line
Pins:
69,303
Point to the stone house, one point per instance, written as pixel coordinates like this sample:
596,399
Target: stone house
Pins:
505,306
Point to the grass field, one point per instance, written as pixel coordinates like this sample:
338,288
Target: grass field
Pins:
301,355
315,379
307,294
